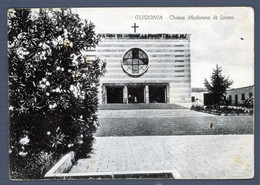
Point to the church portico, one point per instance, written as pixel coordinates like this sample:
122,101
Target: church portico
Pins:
135,93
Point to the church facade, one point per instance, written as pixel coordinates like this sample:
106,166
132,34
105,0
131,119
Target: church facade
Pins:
145,68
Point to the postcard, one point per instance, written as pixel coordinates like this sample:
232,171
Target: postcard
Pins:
130,93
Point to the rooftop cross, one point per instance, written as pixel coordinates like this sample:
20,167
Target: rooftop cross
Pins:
134,27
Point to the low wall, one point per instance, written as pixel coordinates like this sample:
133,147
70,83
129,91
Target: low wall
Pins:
62,166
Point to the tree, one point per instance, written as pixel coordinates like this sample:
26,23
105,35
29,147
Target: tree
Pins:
52,87
218,85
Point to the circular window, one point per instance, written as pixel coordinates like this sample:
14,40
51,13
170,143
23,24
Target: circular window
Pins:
135,62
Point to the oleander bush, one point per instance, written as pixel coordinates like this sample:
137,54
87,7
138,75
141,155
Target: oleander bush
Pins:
249,102
52,88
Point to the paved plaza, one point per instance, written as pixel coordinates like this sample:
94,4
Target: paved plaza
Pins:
179,142
146,122
189,157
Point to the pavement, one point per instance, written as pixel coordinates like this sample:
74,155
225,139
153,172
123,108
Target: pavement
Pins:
137,106
151,113
187,157
170,122
133,142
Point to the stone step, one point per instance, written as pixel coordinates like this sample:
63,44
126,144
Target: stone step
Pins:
140,106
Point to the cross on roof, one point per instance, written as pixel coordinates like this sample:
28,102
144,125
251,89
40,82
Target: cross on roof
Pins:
134,27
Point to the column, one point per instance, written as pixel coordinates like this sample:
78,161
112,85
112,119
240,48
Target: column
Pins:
168,99
146,94
100,96
125,95
104,94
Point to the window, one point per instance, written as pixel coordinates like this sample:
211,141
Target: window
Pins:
229,102
250,95
135,62
236,99
243,96
177,71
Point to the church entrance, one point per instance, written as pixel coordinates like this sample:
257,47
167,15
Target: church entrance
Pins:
157,94
115,94
136,94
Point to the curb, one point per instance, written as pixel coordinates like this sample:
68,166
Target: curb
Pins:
171,174
62,166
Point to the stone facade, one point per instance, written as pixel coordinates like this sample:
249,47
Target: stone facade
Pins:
239,95
163,75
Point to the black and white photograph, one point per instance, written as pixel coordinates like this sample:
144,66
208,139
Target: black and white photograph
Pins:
131,93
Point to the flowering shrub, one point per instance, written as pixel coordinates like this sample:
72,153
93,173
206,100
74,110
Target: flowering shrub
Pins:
249,102
52,88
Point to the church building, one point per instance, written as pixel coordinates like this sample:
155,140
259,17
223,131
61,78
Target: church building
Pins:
145,68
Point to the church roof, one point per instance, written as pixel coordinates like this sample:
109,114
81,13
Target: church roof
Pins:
144,36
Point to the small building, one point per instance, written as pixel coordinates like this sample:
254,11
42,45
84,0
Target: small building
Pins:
198,94
237,96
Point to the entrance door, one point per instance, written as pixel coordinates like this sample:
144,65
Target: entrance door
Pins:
114,94
135,94
157,94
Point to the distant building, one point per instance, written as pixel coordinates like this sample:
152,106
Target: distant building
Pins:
236,96
145,68
239,95
198,94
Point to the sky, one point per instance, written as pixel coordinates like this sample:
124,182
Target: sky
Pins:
226,42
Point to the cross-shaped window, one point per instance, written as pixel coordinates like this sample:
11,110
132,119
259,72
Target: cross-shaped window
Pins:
135,62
